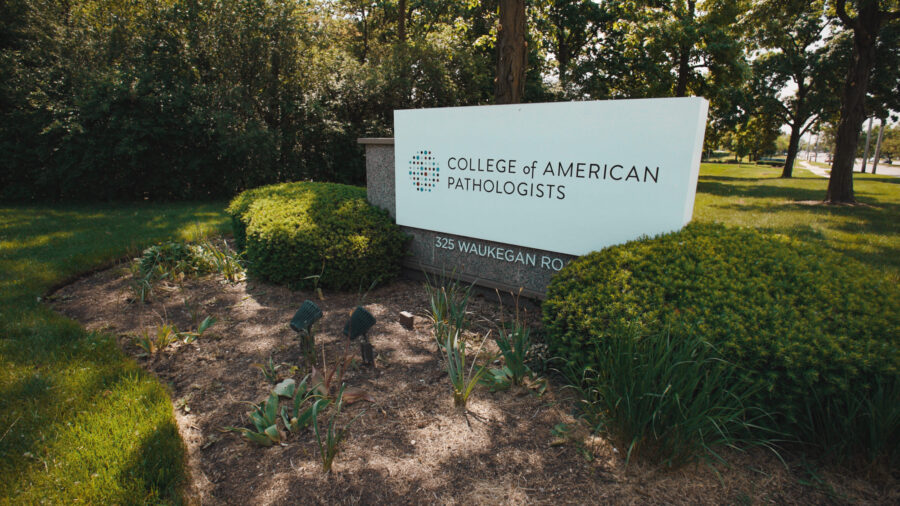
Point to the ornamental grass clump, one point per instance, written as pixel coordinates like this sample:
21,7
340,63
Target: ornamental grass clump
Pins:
173,260
463,381
514,341
668,398
329,435
449,300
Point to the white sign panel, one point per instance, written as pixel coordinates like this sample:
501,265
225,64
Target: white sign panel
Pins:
568,177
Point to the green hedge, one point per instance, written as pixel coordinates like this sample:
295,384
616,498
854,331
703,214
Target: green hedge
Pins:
810,327
292,231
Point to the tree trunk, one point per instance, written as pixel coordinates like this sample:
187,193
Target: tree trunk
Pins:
878,146
365,34
853,111
793,147
684,56
562,58
510,82
866,149
683,71
401,21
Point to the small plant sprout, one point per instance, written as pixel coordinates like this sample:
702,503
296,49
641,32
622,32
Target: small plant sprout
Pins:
323,383
315,279
560,433
513,346
265,422
514,341
463,381
329,436
190,337
300,416
269,370
221,260
165,335
304,407
141,285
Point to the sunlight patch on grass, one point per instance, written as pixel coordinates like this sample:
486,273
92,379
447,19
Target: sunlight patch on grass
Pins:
78,419
34,242
752,196
128,420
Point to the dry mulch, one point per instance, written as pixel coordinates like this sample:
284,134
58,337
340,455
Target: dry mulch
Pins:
411,445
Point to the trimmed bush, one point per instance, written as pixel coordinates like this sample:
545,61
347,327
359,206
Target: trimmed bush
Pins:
292,231
812,329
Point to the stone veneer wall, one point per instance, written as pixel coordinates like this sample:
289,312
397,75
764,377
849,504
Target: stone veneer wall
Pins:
486,264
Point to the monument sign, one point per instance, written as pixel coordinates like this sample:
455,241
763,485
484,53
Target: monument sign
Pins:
507,194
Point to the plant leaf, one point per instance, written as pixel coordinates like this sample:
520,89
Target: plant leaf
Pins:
272,408
258,438
255,437
355,394
205,324
317,381
258,421
285,388
273,434
286,419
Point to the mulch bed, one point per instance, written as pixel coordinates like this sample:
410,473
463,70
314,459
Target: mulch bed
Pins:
411,445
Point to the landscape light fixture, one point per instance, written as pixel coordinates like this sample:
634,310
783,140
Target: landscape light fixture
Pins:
302,323
359,324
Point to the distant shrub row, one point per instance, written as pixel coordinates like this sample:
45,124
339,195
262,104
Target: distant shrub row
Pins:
300,234
817,336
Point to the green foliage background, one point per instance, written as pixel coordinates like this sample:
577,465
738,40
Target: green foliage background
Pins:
201,99
178,99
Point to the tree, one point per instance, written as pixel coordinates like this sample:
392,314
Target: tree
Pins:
789,34
884,90
866,25
890,143
512,56
686,45
569,27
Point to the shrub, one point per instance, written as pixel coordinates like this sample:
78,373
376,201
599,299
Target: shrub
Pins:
166,256
173,259
804,322
293,233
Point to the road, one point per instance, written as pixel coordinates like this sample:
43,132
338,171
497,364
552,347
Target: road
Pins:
882,169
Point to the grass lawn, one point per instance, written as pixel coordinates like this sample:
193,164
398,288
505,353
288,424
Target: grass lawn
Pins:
754,196
79,420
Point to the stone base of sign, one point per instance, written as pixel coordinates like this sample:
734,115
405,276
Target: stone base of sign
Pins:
506,267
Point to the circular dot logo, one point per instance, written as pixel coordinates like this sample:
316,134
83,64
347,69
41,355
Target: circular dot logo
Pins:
424,172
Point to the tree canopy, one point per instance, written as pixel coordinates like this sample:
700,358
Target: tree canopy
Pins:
173,99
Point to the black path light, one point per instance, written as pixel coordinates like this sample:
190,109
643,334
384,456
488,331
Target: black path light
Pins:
359,324
302,323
